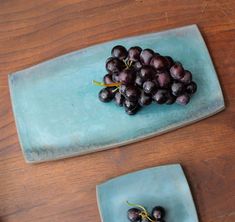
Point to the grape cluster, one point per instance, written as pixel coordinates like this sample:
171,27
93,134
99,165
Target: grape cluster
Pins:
137,77
140,214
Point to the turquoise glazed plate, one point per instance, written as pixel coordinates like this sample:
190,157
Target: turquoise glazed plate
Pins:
164,185
58,114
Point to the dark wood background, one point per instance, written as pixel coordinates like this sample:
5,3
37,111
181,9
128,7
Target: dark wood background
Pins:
34,31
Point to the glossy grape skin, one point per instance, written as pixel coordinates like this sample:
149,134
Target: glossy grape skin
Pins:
137,65
134,53
177,71
187,77
183,99
145,99
170,99
146,56
160,96
133,215
119,99
177,88
158,213
114,65
191,88
122,89
132,111
163,79
127,76
130,104
146,72
132,93
115,77
159,62
119,52
149,87
108,79
139,81
106,95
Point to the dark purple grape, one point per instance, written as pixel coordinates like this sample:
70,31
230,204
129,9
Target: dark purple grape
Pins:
119,52
115,77
132,111
183,99
177,88
170,61
163,79
132,93
191,88
146,72
149,87
158,213
133,215
187,77
139,81
114,65
137,65
106,95
134,53
160,96
159,62
108,79
122,89
130,104
146,56
170,99
145,99
119,99
127,76
177,71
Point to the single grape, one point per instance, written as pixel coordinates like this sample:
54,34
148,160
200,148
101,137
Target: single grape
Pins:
146,56
187,77
145,99
158,213
130,104
183,99
170,61
122,89
115,77
119,51
139,81
114,65
106,95
132,111
133,215
163,79
146,72
177,88
149,87
170,99
137,65
159,62
177,71
119,99
191,88
134,53
108,79
127,76
132,93
160,96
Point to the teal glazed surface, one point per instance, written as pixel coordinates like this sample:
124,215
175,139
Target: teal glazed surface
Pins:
58,114
164,185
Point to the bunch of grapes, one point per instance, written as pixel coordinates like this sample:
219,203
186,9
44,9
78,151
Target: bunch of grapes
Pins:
138,77
140,214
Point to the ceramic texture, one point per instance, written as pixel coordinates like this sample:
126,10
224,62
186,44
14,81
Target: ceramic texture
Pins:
164,185
58,114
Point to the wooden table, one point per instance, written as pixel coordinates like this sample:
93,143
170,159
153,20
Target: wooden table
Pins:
34,31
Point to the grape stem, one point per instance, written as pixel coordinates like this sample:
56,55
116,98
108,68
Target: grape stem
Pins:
144,214
96,83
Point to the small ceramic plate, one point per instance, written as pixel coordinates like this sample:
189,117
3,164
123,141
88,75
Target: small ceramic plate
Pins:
164,185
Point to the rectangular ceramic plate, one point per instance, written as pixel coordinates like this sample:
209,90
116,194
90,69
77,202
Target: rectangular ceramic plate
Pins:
58,114
164,185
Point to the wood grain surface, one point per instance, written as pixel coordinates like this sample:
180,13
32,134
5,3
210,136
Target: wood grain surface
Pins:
34,31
